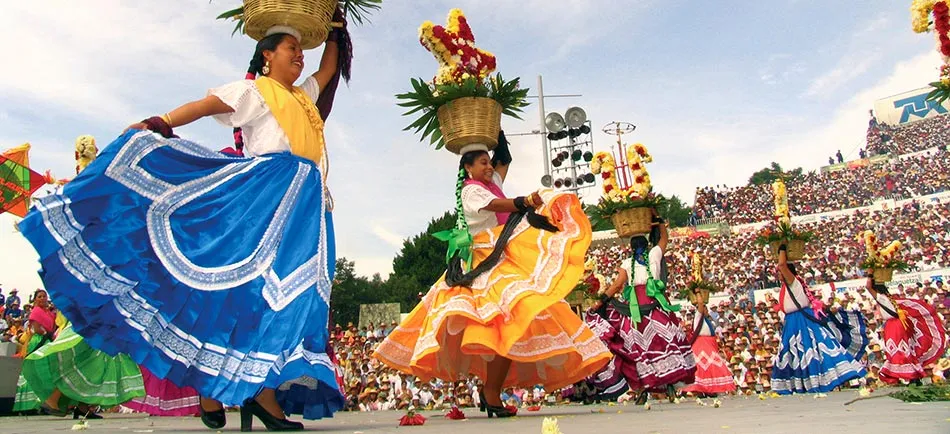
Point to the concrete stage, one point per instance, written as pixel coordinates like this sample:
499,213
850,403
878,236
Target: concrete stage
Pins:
793,414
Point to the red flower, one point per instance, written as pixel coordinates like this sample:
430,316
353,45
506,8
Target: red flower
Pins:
605,175
455,414
608,188
464,30
636,166
412,419
640,179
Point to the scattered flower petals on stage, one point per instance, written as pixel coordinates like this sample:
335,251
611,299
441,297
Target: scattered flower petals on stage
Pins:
412,419
455,414
549,426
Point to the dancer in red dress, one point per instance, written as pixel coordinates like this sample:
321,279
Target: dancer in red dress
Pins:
913,336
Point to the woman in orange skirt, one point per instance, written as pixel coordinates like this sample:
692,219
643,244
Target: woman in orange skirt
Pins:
506,320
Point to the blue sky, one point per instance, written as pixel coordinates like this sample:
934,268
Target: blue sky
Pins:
717,90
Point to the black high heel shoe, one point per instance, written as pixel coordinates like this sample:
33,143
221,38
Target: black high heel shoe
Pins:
670,393
500,411
482,404
213,419
642,398
251,408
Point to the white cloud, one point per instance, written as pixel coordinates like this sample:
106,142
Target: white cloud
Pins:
97,66
849,68
387,235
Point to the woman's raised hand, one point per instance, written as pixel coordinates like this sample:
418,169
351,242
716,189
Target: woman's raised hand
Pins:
136,126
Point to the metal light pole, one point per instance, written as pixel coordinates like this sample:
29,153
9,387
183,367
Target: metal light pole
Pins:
544,130
545,148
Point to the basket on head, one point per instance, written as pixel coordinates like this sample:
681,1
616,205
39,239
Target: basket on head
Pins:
703,296
633,221
795,252
470,120
310,17
883,275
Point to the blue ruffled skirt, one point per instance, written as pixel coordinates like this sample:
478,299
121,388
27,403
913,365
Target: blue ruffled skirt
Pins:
212,272
811,359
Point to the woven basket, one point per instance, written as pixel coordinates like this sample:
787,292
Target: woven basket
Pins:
633,221
470,120
796,249
882,275
703,296
309,17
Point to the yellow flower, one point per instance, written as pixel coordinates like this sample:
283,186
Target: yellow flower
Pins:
549,426
920,15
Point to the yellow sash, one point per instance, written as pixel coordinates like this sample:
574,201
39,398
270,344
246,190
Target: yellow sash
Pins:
298,117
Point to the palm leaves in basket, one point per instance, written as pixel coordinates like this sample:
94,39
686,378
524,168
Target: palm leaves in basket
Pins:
427,97
357,11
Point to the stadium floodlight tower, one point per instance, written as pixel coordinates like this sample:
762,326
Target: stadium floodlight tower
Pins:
624,177
571,151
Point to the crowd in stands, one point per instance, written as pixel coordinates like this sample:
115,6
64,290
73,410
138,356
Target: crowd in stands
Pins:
822,192
908,138
738,264
13,317
370,386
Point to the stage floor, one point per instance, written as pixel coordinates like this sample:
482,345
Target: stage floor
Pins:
793,414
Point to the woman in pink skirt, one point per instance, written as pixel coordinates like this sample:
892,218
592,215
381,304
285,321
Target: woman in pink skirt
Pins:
712,373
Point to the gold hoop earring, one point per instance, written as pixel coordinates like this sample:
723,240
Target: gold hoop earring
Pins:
266,69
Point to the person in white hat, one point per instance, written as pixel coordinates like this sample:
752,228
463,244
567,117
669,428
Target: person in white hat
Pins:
211,272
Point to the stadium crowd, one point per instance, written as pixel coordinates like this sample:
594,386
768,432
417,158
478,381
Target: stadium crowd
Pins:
814,192
908,138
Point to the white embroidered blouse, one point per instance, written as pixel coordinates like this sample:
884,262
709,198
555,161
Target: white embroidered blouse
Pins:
474,199
262,134
640,276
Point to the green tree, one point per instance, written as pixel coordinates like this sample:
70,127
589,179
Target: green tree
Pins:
774,171
675,212
420,262
350,291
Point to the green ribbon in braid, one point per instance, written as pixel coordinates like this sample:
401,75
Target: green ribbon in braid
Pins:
459,238
655,288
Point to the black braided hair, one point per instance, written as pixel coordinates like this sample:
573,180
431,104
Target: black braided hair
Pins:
254,69
454,274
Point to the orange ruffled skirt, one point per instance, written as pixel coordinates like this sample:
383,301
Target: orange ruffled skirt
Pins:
515,310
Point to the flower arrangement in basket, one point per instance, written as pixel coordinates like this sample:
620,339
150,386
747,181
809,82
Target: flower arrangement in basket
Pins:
782,232
921,13
590,288
698,289
310,17
631,209
883,260
463,103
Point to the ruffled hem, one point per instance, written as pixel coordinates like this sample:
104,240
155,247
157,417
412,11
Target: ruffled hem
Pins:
712,374
173,254
164,398
650,355
820,365
515,310
81,373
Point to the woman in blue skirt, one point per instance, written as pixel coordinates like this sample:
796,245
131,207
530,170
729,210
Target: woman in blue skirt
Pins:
210,271
810,358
